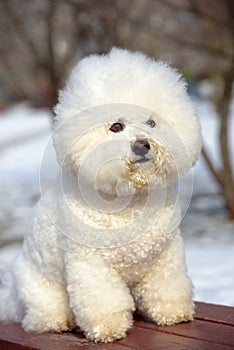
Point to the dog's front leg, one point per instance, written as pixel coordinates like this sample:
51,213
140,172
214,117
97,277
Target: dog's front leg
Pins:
100,300
165,293
45,302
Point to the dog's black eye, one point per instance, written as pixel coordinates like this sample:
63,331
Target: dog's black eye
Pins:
117,127
151,123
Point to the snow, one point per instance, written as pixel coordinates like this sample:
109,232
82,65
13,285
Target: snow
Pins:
209,244
20,159
208,235
22,123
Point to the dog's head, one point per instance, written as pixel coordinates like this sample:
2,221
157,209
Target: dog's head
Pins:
125,121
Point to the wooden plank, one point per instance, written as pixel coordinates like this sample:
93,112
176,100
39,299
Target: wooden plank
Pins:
215,313
138,338
203,330
150,339
212,329
213,323
13,337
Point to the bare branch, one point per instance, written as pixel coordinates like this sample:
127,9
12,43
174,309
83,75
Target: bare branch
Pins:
223,110
197,10
18,29
181,41
211,167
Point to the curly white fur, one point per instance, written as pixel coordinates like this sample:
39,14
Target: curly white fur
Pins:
105,263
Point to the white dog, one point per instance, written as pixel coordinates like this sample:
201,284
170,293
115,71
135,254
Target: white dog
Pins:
104,239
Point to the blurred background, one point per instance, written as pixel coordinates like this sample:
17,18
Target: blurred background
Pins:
41,40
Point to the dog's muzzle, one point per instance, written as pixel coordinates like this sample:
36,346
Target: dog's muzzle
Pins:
141,147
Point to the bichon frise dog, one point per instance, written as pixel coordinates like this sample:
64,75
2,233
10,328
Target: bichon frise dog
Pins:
104,238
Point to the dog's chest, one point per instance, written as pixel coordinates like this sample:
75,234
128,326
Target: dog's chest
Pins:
140,227
134,260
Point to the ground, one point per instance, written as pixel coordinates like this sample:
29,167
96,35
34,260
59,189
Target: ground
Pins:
208,234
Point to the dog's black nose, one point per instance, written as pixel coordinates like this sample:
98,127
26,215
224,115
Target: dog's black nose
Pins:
141,147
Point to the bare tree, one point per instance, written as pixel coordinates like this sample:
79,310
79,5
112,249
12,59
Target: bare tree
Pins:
224,175
43,39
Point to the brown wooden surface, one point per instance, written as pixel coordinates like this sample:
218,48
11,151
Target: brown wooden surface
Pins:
213,329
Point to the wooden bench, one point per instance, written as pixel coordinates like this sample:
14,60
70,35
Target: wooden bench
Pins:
213,329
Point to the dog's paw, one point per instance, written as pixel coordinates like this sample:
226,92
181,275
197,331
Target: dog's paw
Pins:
110,327
36,322
167,314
